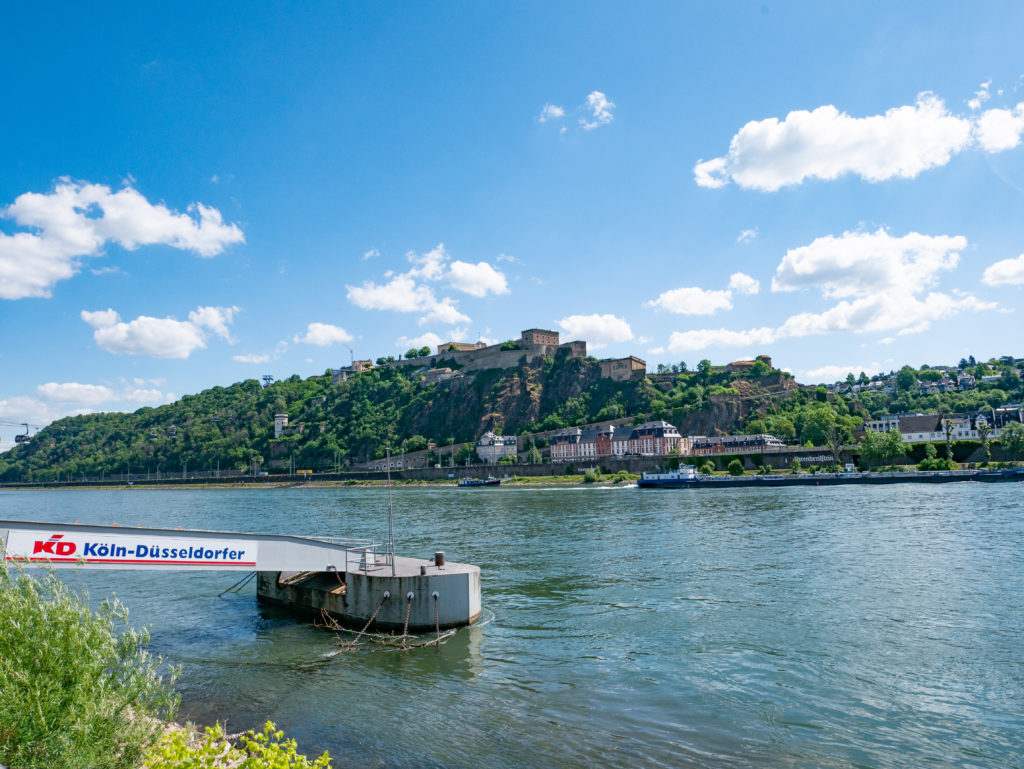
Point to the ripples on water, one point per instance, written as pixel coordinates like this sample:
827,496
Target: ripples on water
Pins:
824,627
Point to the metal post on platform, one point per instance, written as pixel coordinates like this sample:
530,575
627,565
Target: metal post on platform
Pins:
391,527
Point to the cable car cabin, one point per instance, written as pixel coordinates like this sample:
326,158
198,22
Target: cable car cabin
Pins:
22,438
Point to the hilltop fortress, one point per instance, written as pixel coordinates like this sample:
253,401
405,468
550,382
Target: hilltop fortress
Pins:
534,344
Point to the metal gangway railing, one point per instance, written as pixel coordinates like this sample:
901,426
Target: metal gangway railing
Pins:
63,545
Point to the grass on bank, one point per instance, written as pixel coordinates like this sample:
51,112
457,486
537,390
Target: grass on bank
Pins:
78,690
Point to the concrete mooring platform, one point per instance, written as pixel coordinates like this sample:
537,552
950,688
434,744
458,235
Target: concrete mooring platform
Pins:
421,593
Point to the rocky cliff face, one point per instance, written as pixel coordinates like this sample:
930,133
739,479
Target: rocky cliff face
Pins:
505,399
725,412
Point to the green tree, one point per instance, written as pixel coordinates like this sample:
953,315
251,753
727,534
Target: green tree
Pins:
704,371
796,466
735,467
533,456
893,445
466,454
760,368
906,379
872,447
1011,438
708,468
947,427
984,431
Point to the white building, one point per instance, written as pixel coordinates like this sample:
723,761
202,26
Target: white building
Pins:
280,422
492,447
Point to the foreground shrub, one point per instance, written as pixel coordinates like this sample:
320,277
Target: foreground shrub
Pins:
182,749
77,688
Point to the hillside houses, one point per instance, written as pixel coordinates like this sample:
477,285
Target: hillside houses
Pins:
657,438
921,428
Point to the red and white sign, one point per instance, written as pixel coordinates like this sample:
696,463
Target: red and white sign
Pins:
129,549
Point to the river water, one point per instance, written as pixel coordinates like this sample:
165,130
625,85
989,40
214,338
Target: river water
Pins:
802,627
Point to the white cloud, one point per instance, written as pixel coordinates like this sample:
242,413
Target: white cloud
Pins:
371,254
863,263
881,281
77,220
430,266
217,319
550,112
410,291
444,312
691,300
826,143
682,341
746,236
1000,129
1007,272
157,337
429,339
323,335
100,318
598,330
507,258
151,396
400,294
600,109
831,373
73,392
743,284
981,96
251,358
476,279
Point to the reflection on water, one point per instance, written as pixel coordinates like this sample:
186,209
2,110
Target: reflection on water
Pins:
825,627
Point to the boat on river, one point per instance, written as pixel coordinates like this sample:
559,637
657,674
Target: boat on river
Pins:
685,477
473,482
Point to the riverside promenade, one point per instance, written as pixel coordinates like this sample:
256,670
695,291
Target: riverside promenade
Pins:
704,481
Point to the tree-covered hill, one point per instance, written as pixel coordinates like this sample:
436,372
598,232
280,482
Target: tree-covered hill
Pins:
232,428
347,422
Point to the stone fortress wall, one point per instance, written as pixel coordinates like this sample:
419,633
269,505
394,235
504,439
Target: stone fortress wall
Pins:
495,357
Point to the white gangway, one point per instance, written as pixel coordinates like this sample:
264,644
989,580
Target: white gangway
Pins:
33,543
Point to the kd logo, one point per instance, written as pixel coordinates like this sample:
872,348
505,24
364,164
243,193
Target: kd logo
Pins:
54,546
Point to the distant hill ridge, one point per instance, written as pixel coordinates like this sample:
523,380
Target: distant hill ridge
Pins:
352,421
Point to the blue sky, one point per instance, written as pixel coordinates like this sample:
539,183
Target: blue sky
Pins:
197,194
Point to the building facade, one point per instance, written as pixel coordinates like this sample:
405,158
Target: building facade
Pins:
921,428
702,445
623,369
540,336
491,447
649,439
459,347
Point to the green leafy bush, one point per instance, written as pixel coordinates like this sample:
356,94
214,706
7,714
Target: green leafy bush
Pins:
707,468
591,476
183,749
77,688
735,467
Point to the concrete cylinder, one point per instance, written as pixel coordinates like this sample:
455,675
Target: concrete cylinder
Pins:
439,559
